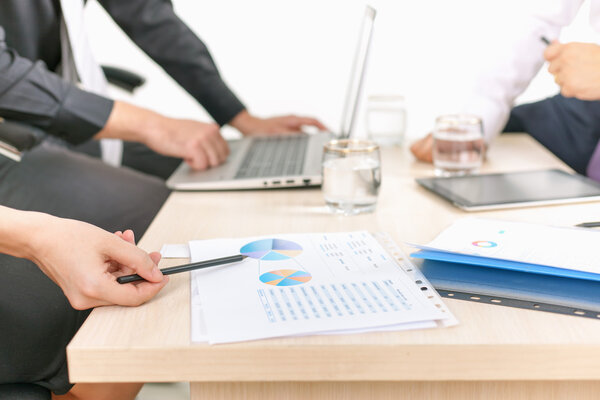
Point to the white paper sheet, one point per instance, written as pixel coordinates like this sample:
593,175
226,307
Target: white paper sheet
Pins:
568,248
175,251
304,284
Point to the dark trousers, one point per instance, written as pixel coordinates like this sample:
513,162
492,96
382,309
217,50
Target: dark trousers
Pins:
36,321
568,127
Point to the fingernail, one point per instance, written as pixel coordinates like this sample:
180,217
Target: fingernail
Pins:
156,272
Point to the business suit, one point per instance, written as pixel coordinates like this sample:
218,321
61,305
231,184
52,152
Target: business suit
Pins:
37,320
568,127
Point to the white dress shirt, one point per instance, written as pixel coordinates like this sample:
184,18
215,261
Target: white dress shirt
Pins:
79,65
498,87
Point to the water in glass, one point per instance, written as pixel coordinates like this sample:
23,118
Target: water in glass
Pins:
458,147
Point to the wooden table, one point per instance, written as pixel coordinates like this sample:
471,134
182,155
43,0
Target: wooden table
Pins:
495,352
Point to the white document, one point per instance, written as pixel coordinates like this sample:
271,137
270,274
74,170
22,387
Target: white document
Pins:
567,248
303,284
175,251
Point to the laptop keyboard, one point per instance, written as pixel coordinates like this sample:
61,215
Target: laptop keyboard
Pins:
274,156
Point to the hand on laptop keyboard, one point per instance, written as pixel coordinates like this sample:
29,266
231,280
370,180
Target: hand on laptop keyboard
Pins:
251,125
199,144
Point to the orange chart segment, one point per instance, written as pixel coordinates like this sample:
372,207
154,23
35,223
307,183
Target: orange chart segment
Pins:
289,253
285,277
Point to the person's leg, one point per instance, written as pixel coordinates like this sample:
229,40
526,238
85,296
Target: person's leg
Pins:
60,182
568,127
37,324
37,320
101,391
141,158
137,156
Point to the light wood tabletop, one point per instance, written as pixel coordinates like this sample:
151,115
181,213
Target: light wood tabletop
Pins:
495,352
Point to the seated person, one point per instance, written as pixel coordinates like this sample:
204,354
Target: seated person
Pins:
59,179
40,316
569,127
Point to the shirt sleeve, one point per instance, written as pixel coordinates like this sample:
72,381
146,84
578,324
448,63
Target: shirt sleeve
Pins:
30,93
517,62
154,27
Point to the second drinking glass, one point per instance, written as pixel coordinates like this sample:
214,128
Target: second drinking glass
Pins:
458,145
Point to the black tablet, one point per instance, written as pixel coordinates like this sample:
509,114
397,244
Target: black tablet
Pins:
514,189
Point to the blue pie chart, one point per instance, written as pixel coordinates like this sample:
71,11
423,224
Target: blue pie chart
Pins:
271,249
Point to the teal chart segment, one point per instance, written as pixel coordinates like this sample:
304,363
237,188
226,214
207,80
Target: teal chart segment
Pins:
271,249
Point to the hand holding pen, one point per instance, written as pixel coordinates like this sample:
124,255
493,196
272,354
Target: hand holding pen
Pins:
575,67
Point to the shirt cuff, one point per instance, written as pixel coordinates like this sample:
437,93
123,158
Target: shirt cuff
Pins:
81,116
493,114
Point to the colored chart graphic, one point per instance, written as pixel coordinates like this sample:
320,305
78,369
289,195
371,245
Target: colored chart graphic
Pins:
485,244
285,277
271,250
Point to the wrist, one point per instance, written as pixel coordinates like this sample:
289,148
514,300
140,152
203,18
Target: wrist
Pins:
22,234
133,123
244,122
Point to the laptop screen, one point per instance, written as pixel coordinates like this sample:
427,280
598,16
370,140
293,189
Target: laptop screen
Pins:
350,111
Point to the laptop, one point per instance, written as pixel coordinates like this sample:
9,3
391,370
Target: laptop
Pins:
281,161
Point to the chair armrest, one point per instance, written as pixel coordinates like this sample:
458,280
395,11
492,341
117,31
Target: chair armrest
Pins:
15,138
122,78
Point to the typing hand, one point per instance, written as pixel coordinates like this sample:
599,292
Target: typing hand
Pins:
576,69
199,144
251,125
85,262
422,149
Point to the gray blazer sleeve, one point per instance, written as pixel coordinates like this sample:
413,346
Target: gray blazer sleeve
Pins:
30,93
154,27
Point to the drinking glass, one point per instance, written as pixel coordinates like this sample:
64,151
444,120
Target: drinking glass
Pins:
351,172
386,119
458,146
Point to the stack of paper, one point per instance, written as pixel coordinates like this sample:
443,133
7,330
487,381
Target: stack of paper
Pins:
566,252
308,284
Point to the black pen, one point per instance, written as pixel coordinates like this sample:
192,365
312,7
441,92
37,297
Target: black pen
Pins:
186,267
595,224
545,40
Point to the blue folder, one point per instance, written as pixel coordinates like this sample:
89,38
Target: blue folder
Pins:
503,264
514,288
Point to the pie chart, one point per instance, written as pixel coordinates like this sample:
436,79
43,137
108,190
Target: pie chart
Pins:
485,244
271,249
285,277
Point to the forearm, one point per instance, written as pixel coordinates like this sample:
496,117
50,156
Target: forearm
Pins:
132,123
515,62
30,93
156,29
18,230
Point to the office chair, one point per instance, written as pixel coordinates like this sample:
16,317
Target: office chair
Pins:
16,138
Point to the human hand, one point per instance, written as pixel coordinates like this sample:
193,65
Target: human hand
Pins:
422,149
251,125
85,261
576,69
199,144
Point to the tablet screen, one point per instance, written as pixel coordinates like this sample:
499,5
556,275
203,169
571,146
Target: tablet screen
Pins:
512,188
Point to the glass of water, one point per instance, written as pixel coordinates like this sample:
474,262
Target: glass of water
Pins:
458,145
386,119
351,172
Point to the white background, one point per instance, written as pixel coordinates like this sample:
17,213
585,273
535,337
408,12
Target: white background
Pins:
284,56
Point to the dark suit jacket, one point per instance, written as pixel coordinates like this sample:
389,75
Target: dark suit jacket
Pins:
30,50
